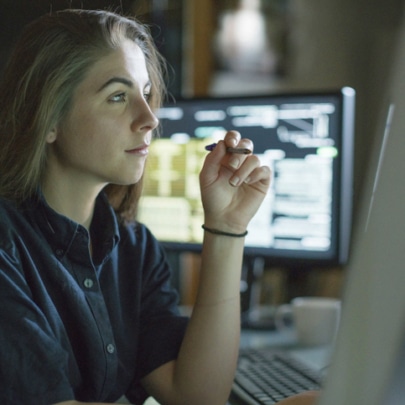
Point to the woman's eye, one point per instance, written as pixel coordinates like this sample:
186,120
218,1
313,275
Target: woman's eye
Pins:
147,97
118,98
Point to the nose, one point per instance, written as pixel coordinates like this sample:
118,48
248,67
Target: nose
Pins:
144,118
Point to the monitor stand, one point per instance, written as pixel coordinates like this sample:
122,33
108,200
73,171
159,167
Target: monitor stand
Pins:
254,315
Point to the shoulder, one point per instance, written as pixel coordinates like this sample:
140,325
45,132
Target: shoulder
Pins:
6,208
12,212
17,223
137,233
10,216
139,244
11,229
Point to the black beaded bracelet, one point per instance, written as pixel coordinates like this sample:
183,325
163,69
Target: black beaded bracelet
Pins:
218,232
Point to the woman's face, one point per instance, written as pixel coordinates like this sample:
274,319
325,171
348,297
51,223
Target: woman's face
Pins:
104,137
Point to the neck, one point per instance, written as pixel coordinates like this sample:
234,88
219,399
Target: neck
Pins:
71,200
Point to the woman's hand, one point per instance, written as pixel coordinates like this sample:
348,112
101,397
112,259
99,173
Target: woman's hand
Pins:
305,398
232,185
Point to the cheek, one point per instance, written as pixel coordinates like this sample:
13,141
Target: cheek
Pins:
71,148
90,134
82,135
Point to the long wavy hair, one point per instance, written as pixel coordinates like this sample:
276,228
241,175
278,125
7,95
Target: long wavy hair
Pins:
49,60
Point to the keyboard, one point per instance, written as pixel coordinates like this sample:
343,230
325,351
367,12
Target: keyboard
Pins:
264,377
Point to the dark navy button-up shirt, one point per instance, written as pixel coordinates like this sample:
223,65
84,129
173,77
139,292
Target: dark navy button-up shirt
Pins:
75,325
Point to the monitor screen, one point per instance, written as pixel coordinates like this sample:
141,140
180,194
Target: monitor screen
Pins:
306,139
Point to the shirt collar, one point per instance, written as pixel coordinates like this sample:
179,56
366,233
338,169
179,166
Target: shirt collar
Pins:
61,232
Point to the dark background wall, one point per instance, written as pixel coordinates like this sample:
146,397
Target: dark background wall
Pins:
331,43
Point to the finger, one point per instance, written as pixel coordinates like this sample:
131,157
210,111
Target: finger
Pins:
234,144
213,163
232,138
260,175
222,150
221,156
245,143
236,159
248,172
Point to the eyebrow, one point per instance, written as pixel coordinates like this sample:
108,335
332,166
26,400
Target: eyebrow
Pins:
122,80
116,80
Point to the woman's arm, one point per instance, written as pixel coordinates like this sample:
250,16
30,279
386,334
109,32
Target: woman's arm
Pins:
232,187
306,398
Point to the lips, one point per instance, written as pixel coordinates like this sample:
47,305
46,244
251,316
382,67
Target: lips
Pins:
142,150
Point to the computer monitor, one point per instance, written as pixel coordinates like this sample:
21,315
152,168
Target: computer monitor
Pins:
368,363
306,139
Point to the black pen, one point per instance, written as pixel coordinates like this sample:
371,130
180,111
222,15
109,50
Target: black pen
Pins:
241,151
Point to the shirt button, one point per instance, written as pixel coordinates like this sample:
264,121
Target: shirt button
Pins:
59,252
110,348
88,282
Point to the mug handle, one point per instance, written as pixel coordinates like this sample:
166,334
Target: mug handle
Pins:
283,317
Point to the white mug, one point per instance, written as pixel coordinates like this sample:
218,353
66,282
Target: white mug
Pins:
315,319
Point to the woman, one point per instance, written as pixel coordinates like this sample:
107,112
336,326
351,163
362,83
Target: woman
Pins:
86,307
86,310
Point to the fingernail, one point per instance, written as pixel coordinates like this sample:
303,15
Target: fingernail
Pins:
234,163
234,181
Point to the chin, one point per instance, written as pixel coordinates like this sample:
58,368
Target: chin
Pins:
128,181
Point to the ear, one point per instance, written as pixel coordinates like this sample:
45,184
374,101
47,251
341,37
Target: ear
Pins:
51,136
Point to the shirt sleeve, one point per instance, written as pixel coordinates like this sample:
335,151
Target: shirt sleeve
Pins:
33,365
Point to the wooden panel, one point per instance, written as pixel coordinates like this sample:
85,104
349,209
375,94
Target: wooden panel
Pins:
199,28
